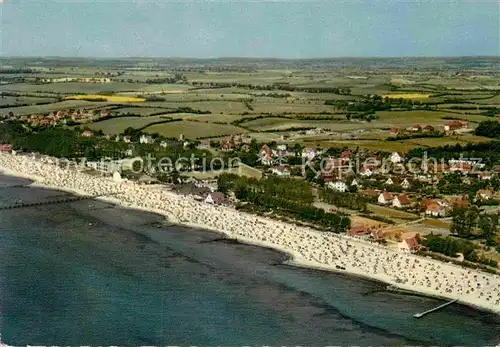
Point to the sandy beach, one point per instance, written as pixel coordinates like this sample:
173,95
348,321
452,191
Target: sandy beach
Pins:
307,247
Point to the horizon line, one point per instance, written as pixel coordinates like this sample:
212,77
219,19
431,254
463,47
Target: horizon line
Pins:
246,57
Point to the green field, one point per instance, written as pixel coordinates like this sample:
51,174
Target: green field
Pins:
22,100
118,125
193,130
143,111
41,109
73,87
258,88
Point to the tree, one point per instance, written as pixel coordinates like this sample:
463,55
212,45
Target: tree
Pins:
459,224
241,192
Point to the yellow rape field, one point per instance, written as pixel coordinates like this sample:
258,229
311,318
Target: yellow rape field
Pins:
107,97
407,96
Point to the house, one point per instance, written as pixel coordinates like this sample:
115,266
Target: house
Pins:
227,146
365,171
395,158
462,167
371,193
281,148
455,125
485,176
281,171
408,245
405,184
339,186
385,198
416,127
87,133
401,201
433,208
460,201
146,139
204,144
394,132
429,128
359,231
389,181
484,194
265,154
216,198
127,139
345,156
5,148
354,182
309,153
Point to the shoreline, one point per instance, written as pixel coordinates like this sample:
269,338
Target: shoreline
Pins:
299,244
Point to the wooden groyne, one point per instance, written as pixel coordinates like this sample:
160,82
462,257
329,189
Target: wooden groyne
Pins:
421,314
51,202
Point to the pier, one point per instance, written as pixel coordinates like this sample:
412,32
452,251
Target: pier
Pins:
421,314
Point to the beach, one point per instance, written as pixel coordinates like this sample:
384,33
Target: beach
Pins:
306,247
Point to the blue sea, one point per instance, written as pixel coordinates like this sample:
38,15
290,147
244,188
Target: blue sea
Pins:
90,273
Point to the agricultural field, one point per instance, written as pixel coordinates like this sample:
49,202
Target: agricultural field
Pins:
57,106
24,100
276,123
119,124
233,90
108,98
193,130
413,96
73,87
143,111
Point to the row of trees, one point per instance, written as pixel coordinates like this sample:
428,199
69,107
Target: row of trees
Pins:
465,220
489,128
276,86
352,201
451,246
489,152
288,197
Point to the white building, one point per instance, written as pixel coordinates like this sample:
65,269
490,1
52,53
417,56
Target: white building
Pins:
281,171
401,201
339,186
366,172
385,198
395,158
405,184
146,139
389,181
309,153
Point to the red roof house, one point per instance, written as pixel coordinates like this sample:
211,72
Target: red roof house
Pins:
5,148
409,244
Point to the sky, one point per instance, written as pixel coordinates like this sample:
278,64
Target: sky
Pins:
282,29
